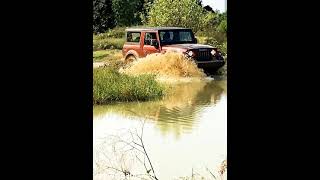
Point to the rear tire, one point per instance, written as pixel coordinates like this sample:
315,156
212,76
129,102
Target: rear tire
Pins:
130,59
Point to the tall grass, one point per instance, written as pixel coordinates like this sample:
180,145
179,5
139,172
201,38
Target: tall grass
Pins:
112,39
109,85
107,43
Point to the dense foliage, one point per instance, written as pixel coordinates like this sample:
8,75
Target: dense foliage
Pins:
183,13
205,21
103,17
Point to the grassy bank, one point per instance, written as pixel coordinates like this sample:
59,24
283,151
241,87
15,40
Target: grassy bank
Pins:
110,85
107,55
111,57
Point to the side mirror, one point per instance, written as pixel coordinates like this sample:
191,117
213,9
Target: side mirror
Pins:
154,43
196,40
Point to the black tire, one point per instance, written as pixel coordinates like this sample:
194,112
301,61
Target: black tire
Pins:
209,71
130,59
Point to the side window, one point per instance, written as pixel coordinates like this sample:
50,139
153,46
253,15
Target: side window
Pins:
166,36
133,37
185,36
148,37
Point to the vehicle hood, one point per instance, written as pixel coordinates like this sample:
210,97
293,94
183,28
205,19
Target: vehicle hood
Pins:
187,46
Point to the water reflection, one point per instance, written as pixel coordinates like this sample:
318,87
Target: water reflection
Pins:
186,128
178,112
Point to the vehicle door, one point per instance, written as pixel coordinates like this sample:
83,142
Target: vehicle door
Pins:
151,43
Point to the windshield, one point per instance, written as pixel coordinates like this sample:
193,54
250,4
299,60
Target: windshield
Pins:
177,36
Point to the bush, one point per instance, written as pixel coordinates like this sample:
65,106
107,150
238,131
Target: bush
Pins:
213,37
213,42
118,32
112,39
109,85
107,43
211,33
221,46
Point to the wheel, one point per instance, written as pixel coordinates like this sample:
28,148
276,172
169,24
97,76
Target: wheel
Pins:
210,71
130,59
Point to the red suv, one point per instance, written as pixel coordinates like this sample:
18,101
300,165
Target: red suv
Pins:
143,41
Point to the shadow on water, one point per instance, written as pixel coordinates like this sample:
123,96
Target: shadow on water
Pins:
178,112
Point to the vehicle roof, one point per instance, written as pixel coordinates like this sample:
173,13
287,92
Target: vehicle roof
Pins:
154,28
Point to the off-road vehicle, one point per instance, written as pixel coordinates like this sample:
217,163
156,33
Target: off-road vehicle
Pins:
143,41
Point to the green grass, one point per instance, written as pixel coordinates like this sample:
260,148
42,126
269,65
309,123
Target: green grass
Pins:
112,39
109,85
107,43
112,57
99,56
107,55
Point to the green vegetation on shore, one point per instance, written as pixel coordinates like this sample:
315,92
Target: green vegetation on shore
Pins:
109,85
111,39
108,43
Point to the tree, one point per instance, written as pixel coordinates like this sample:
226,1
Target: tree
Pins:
209,9
183,13
199,2
127,12
146,5
222,22
223,26
102,16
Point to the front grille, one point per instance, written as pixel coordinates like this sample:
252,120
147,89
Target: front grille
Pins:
204,56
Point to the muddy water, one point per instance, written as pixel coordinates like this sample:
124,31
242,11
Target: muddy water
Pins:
184,132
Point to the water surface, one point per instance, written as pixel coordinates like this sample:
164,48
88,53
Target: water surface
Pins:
185,131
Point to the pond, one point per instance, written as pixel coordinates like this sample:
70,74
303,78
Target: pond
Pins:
184,133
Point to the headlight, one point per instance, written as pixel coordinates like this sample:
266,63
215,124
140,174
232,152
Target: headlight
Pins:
190,53
213,52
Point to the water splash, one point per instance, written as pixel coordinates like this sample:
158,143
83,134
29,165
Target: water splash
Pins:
170,66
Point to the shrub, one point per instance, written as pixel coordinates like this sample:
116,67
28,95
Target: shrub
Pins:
107,43
109,85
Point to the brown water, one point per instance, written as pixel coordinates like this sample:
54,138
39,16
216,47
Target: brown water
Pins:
184,132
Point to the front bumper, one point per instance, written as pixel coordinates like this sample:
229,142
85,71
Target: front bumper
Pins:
213,64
